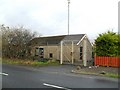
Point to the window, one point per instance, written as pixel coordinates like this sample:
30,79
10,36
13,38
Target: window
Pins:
39,51
51,55
80,56
81,53
81,49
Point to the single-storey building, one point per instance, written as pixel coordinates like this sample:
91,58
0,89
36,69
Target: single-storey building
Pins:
74,49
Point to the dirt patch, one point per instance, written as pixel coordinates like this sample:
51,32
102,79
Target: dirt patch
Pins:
97,70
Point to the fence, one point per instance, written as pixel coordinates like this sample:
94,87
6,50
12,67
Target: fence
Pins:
107,61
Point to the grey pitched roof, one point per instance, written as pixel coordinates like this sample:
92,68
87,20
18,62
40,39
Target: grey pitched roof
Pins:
53,40
76,38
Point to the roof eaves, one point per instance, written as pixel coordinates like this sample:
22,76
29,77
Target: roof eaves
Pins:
81,39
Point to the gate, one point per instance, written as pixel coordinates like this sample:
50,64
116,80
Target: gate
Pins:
70,52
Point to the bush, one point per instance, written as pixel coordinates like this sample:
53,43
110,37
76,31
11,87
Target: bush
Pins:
107,44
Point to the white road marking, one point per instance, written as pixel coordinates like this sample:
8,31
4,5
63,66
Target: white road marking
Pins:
50,85
3,74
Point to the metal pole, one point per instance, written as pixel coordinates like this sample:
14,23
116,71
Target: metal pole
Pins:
68,15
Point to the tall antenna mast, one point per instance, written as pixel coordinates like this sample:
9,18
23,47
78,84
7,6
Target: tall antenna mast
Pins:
68,15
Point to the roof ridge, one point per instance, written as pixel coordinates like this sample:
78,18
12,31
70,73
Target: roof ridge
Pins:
53,36
62,35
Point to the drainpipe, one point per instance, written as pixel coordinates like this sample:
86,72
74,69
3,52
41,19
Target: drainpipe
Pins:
61,55
72,52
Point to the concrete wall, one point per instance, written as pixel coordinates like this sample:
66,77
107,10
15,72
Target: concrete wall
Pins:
47,50
88,51
67,51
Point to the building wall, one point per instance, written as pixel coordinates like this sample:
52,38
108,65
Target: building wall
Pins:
88,48
67,51
54,50
88,51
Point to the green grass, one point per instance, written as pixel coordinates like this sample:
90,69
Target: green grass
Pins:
30,62
112,75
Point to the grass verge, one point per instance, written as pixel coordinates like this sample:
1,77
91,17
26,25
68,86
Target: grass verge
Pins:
112,75
30,62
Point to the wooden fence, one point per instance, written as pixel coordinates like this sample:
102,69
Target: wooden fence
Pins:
107,61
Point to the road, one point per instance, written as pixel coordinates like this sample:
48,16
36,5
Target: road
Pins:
51,77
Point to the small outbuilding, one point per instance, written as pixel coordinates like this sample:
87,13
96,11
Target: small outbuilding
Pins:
72,49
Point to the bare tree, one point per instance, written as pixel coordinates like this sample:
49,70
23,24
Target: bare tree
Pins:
15,41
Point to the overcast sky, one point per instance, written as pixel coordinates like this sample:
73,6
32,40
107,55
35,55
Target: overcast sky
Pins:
49,17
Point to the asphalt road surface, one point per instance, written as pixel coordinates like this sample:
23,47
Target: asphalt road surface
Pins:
14,76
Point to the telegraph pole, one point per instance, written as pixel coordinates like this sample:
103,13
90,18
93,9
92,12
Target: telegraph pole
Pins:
68,15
